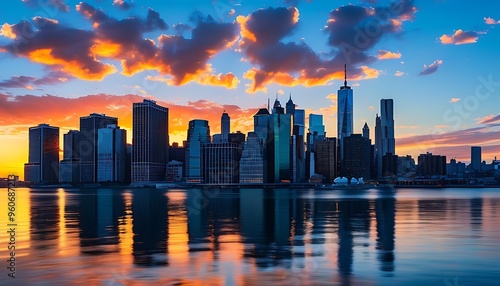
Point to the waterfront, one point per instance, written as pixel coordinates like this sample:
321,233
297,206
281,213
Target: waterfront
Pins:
255,237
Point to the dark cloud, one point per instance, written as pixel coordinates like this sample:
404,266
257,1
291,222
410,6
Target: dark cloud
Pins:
47,5
432,68
28,82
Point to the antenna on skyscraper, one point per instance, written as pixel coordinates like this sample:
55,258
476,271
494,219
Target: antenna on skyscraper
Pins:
268,104
345,75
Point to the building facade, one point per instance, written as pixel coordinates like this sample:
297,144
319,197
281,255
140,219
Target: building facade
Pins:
431,165
252,162
326,159
198,133
89,139
112,154
356,162
150,141
278,145
69,167
220,163
344,113
43,155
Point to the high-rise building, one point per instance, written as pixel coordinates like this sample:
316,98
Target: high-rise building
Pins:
198,133
69,167
290,106
88,144
316,133
389,165
431,165
225,123
384,133
150,141
43,155
366,131
112,154
251,162
326,158
278,145
220,163
344,112
475,158
261,128
356,162
299,158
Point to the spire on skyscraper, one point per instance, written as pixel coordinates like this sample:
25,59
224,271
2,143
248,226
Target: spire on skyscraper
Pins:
345,75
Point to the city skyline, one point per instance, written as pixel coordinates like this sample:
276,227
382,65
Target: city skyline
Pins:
426,100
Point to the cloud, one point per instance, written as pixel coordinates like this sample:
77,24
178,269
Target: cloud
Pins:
432,68
454,99
371,107
28,82
66,112
491,21
488,119
447,143
399,73
47,4
295,63
81,53
122,4
459,37
384,55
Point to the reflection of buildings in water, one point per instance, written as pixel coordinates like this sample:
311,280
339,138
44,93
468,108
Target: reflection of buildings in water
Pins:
354,219
44,218
99,210
150,224
476,213
432,210
385,212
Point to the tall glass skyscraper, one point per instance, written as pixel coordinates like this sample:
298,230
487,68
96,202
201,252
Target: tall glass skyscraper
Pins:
150,141
344,112
43,155
198,133
69,167
278,145
112,154
88,144
251,162
384,133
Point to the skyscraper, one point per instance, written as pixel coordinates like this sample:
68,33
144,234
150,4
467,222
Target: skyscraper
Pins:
278,145
345,112
198,133
112,154
225,126
43,155
326,158
475,158
366,131
356,162
316,133
384,133
69,167
150,141
298,131
260,127
220,163
88,144
251,162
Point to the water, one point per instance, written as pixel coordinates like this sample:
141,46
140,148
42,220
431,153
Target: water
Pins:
103,236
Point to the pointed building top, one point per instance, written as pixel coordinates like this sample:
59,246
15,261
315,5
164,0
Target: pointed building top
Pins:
366,125
345,75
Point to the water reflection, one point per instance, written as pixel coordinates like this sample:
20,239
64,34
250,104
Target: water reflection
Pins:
233,237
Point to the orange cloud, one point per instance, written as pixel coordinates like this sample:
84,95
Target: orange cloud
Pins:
384,55
459,37
7,32
491,21
454,99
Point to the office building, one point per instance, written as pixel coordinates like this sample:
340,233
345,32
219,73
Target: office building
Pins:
384,133
150,141
316,133
43,155
112,154
220,163
366,131
225,124
299,147
389,165
198,133
344,112
174,171
326,159
69,167
356,162
406,166
89,126
278,145
251,162
475,158
431,165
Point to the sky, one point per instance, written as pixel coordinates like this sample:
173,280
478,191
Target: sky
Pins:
438,60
